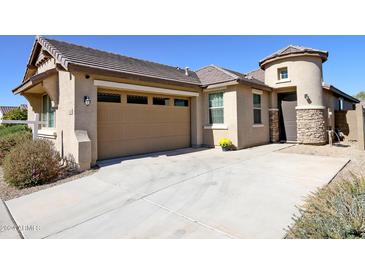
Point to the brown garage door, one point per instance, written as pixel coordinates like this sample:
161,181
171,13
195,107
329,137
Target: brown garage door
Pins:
138,125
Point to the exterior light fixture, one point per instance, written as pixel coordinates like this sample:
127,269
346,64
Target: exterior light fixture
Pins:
306,96
87,100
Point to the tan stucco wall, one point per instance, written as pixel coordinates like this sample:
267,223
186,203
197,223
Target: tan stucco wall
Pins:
248,133
304,72
65,118
86,116
197,120
34,106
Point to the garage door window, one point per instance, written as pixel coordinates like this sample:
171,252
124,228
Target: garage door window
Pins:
160,101
109,98
136,99
181,103
216,108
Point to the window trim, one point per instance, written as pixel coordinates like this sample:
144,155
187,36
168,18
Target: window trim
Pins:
209,108
257,108
49,101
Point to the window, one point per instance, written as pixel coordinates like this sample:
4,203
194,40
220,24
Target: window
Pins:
109,97
137,99
283,73
257,108
216,108
340,104
161,101
48,114
181,102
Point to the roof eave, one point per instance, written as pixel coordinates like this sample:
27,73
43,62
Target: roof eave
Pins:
34,80
340,92
322,54
255,85
108,72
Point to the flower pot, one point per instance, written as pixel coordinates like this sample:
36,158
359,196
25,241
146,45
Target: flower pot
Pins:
225,148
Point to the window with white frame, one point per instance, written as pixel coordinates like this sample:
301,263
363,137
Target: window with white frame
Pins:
283,73
48,113
216,108
257,108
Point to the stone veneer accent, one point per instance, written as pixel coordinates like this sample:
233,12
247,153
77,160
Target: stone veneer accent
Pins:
311,126
274,125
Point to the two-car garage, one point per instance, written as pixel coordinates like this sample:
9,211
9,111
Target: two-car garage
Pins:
136,123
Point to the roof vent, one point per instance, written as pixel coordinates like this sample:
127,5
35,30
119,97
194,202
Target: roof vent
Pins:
187,71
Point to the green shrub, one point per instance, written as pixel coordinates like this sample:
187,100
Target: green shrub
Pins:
32,163
337,211
11,140
5,131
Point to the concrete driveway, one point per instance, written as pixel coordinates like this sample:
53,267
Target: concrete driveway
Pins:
189,193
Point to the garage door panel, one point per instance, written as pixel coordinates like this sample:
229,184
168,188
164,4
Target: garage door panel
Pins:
110,132
109,112
130,129
135,114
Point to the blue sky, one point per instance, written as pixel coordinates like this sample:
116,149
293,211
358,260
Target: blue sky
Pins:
344,68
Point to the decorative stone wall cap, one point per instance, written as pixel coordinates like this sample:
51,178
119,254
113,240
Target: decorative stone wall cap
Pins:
273,109
310,107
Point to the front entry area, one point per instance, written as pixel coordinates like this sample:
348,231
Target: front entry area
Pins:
131,124
287,116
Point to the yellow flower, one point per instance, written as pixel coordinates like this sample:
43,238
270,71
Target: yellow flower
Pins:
225,142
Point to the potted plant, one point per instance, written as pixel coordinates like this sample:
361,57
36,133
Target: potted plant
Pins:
225,143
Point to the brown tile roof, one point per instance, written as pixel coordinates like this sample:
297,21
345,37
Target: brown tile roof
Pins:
6,109
292,49
258,74
213,74
66,53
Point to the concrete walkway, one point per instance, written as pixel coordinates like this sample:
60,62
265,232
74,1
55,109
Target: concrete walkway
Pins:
8,229
190,193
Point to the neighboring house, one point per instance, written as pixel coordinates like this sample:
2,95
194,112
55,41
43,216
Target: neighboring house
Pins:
6,109
100,105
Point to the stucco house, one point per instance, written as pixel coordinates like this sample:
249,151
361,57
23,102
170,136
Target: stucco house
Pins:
99,105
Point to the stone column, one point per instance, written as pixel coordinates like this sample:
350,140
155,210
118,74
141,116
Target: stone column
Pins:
274,125
311,126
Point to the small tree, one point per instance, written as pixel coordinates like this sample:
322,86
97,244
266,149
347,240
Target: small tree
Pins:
15,114
360,95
